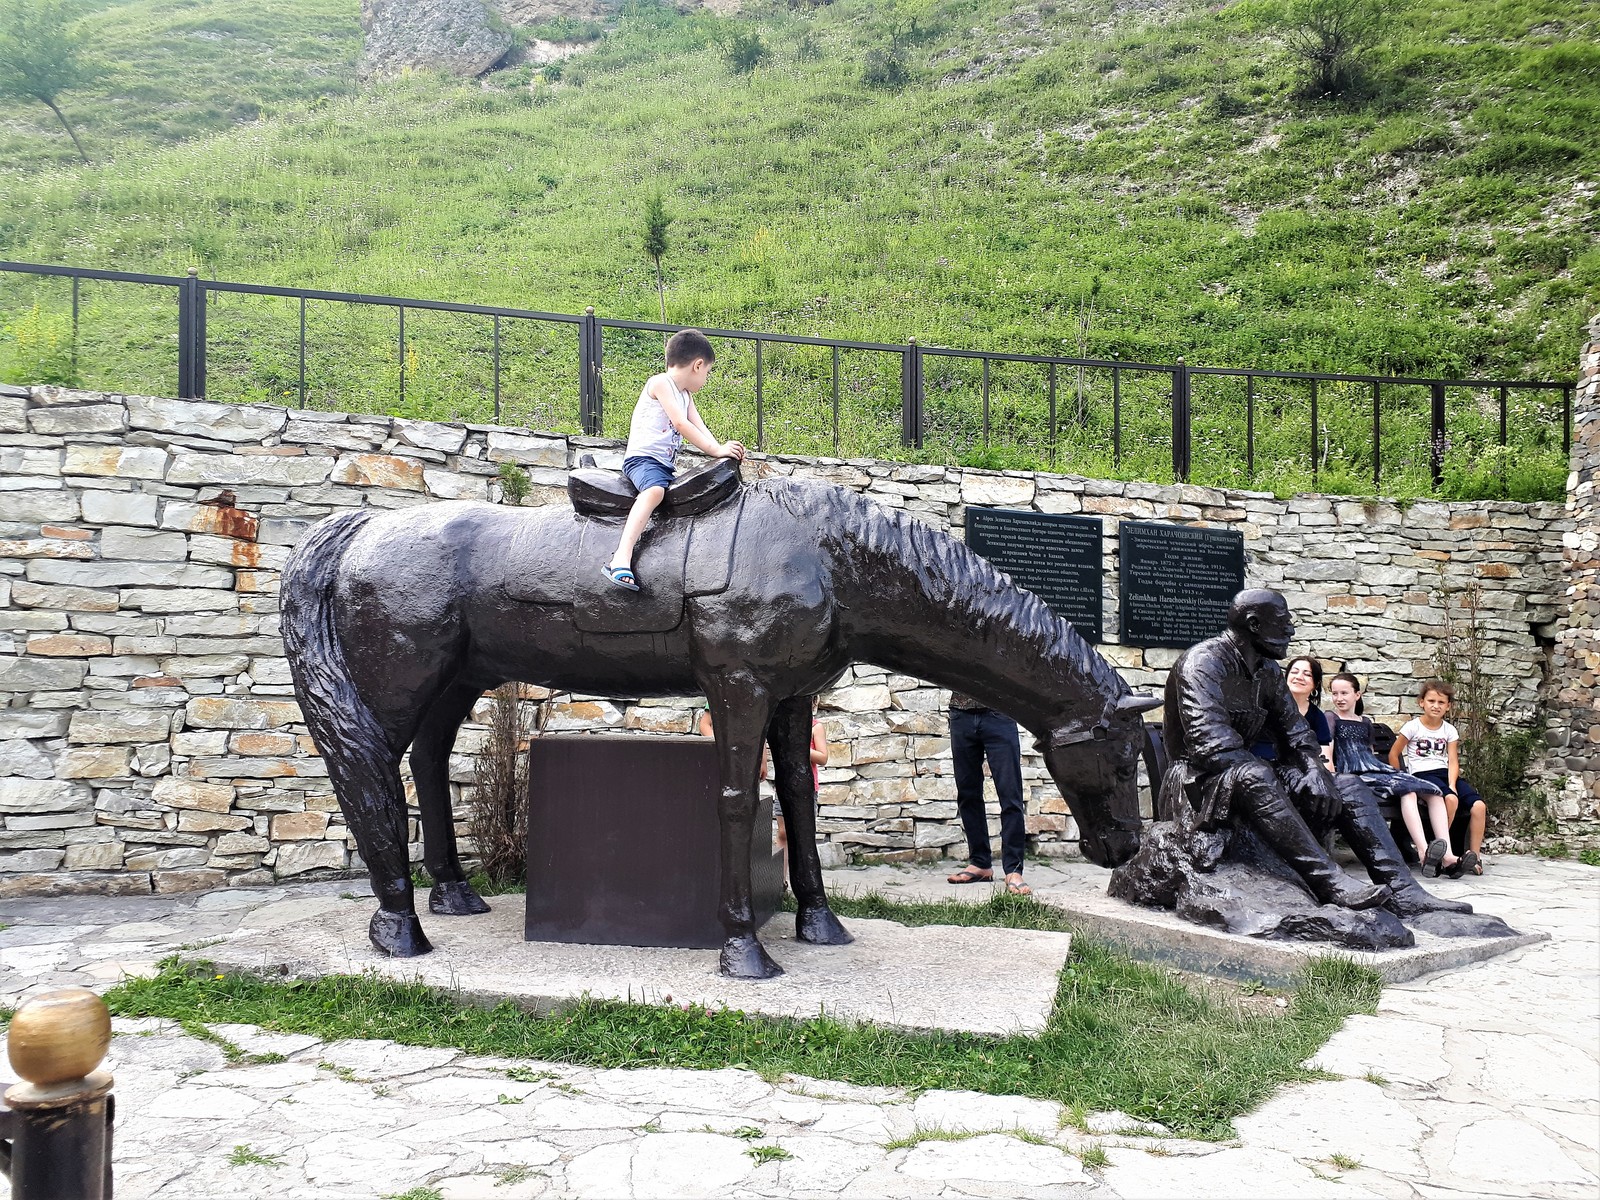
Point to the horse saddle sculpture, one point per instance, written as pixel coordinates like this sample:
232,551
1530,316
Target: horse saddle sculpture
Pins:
597,493
676,559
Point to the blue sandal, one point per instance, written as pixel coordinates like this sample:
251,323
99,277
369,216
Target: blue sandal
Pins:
622,577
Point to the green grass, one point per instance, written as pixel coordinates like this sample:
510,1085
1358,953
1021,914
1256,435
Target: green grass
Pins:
1000,909
1122,1035
766,1154
1436,228
243,1156
1095,1157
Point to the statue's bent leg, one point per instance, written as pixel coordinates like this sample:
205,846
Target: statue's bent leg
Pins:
1363,827
1260,794
452,895
790,737
740,708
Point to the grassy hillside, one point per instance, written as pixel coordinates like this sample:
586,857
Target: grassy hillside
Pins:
1443,224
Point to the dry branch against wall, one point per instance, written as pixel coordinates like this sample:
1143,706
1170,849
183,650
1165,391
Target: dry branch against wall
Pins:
498,814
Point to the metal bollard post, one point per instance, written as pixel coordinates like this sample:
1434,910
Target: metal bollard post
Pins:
55,1126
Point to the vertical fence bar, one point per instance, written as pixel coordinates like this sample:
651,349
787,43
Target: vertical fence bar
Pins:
761,426
1377,439
302,351
1249,427
1436,434
187,291
402,356
74,329
1316,434
200,298
497,368
1566,421
1503,405
1181,433
986,402
1116,415
591,399
836,402
911,422
1052,414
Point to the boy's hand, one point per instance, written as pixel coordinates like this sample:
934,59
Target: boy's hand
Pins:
733,450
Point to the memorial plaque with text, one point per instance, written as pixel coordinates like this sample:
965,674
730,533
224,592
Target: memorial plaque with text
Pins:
1177,582
1055,556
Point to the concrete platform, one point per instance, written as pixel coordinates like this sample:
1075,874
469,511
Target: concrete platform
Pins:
913,978
1161,937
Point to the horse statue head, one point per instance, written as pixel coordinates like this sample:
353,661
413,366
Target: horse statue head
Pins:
1095,763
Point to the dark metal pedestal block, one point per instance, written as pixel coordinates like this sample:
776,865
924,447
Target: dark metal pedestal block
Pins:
624,847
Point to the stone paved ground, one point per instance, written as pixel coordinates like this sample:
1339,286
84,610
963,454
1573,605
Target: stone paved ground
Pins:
1484,1081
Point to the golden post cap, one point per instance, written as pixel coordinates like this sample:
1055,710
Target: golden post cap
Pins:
58,1036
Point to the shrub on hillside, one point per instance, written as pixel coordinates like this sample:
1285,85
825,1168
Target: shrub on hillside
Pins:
745,52
885,68
1334,40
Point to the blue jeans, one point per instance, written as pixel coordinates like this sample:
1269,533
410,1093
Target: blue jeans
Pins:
975,736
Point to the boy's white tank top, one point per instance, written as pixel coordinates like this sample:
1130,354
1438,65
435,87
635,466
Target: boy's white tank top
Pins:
651,432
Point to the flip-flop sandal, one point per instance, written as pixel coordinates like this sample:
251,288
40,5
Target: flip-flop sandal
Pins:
1470,864
1017,888
968,875
622,577
1437,849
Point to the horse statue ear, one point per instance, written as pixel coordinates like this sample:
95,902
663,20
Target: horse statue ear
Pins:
1133,702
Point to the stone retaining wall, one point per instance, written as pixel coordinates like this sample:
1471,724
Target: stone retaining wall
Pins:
1570,772
148,732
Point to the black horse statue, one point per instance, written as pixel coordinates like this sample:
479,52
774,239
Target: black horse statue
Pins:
758,597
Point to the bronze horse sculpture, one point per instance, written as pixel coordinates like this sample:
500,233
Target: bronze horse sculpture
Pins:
396,622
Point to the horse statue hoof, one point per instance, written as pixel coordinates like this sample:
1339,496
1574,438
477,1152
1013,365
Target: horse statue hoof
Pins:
744,958
457,899
398,934
821,928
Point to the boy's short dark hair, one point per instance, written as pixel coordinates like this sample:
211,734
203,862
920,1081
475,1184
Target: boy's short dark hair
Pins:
687,345
1436,685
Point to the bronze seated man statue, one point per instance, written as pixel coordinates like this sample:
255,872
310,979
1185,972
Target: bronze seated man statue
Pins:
1223,696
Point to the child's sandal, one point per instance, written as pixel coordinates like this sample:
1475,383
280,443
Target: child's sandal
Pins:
1437,849
622,577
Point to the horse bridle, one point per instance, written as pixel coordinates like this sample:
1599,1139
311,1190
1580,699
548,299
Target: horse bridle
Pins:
1100,731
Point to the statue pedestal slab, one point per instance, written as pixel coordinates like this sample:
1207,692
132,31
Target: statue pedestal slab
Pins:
624,844
1161,936
916,977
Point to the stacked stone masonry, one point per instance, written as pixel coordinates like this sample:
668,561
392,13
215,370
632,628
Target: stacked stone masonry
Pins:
149,737
1570,771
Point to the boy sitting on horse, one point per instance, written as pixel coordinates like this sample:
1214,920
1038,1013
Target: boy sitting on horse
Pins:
663,419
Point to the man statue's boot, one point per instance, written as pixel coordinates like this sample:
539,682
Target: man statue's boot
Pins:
1283,828
1366,832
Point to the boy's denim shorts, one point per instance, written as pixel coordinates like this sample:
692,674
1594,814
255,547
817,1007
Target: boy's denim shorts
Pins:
645,472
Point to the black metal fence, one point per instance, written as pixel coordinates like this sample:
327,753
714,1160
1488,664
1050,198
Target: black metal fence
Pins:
1044,403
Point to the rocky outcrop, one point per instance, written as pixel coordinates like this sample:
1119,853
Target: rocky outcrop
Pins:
463,37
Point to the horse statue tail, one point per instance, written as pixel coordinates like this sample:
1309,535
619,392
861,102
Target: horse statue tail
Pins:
351,740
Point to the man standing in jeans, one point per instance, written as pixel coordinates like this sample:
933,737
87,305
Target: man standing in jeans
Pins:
976,732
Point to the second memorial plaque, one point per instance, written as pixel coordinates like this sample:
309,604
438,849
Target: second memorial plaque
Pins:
1055,556
1177,582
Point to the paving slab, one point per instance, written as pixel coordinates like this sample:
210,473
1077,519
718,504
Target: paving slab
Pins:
907,977
1162,937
